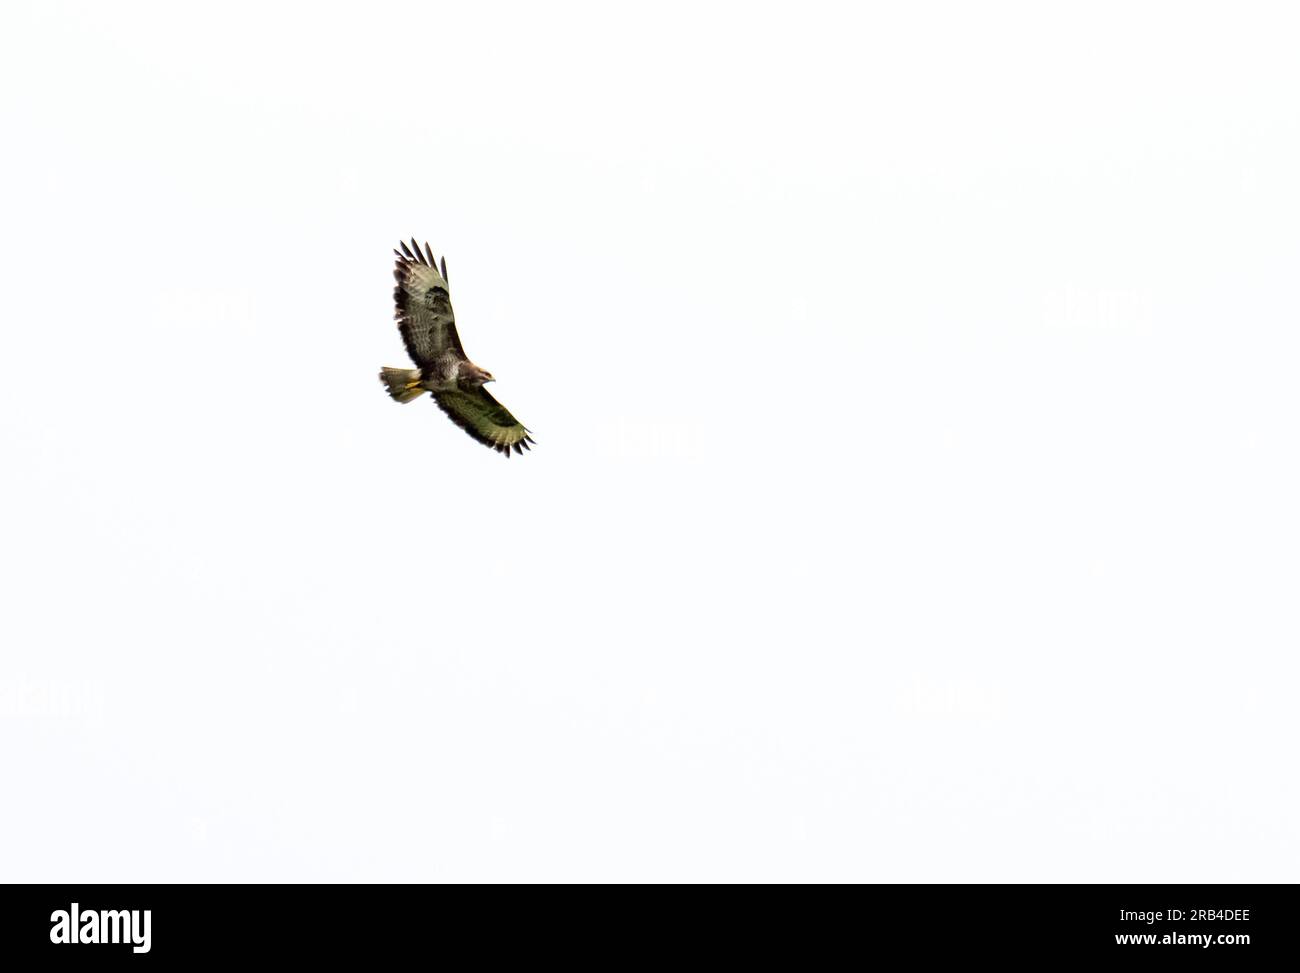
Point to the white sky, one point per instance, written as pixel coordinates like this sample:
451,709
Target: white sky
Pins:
915,489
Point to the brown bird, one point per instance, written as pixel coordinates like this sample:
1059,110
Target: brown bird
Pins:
428,327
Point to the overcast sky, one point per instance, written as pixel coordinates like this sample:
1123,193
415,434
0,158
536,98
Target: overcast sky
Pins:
915,489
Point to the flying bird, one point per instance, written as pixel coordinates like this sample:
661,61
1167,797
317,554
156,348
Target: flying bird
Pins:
428,328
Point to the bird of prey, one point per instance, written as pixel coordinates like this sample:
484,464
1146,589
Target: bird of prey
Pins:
428,327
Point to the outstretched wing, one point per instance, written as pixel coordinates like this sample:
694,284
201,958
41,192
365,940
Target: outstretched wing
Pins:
424,314
484,418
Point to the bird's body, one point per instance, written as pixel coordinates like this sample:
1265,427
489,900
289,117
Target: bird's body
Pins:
443,375
428,329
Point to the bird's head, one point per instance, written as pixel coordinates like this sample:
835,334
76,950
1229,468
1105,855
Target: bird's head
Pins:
472,377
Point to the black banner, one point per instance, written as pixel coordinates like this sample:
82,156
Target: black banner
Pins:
163,924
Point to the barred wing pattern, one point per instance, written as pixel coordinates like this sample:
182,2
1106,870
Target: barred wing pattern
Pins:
424,314
485,419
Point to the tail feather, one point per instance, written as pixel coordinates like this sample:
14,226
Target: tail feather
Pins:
402,383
